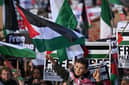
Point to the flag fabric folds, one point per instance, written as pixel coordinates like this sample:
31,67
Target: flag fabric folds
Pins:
66,16
55,6
10,16
115,2
85,20
105,20
50,36
114,69
14,50
67,19
1,2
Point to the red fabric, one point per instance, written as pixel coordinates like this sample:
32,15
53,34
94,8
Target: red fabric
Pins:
85,50
21,24
48,52
31,30
120,38
8,64
106,82
85,81
114,69
33,2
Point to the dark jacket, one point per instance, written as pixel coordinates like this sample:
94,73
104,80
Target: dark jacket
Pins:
9,82
65,75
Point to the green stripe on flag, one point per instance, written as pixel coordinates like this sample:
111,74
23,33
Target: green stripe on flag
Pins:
10,51
106,12
113,78
124,43
97,56
1,2
50,44
66,16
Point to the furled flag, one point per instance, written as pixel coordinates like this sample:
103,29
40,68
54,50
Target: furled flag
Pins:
105,20
10,16
85,20
49,36
14,50
1,15
114,63
114,70
66,16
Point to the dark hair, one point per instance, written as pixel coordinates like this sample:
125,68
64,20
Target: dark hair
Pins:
83,61
6,69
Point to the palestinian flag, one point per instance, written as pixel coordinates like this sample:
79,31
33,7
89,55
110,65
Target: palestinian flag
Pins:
114,69
14,50
123,38
65,17
105,20
97,49
48,36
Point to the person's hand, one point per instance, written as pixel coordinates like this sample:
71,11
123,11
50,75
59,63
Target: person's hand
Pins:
48,57
96,75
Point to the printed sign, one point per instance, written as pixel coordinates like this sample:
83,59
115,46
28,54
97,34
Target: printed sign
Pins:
123,56
49,73
104,75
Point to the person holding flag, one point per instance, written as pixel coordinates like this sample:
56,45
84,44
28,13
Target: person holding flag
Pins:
78,74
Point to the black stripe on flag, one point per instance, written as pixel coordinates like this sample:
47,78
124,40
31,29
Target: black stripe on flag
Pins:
97,47
41,22
124,33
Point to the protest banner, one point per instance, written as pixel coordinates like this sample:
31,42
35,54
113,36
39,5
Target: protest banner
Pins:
99,54
123,48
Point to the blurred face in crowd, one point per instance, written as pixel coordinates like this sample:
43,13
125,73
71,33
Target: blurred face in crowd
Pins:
36,73
79,69
124,82
5,75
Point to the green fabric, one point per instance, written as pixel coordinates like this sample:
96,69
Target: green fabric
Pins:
14,70
62,55
106,12
66,16
1,2
67,19
113,78
124,43
12,51
51,44
97,56
20,78
115,2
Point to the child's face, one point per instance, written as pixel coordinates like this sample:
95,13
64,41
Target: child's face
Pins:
79,69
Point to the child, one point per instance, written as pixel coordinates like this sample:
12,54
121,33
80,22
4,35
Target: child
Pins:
78,75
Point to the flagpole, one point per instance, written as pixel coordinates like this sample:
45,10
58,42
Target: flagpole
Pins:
112,19
17,64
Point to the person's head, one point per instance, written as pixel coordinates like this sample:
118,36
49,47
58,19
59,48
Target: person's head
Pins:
80,66
36,73
36,81
5,73
125,80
